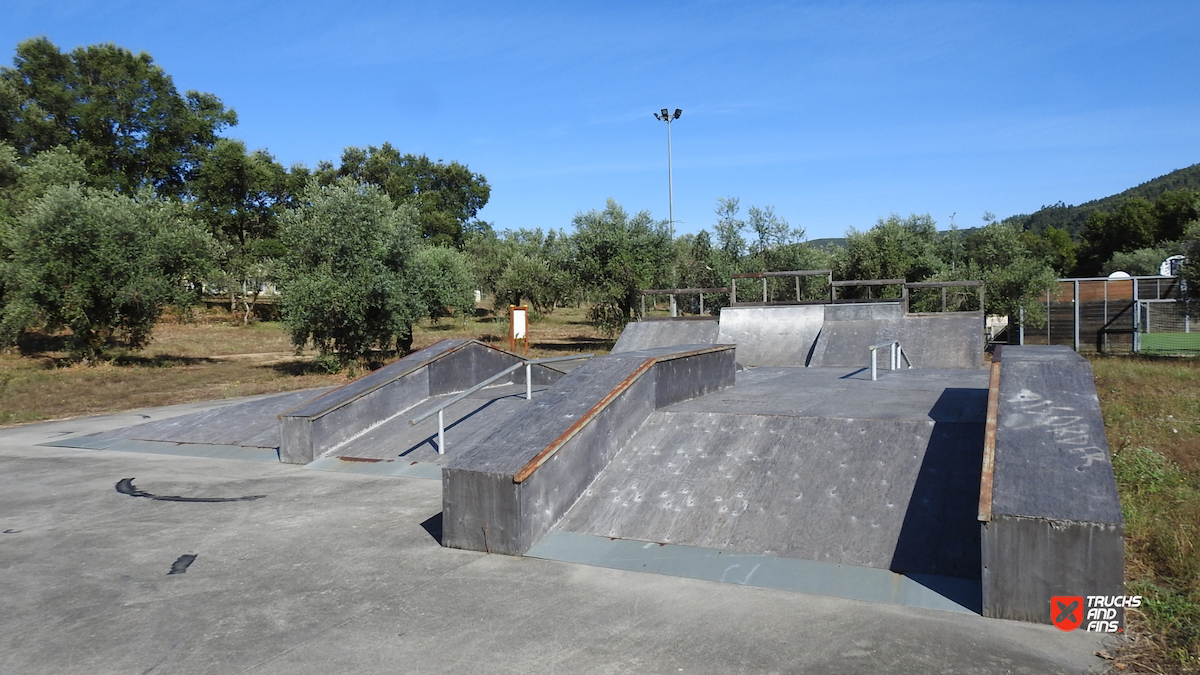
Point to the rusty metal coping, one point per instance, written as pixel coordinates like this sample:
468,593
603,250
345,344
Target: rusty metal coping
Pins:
987,476
586,418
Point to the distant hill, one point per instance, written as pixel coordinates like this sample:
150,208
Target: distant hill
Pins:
827,243
1072,218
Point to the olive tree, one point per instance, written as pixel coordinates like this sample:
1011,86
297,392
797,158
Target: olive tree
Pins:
346,279
617,256
444,282
101,264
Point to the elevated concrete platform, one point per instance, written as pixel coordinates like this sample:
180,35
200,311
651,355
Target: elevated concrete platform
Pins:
822,335
1050,512
247,430
942,340
322,426
961,489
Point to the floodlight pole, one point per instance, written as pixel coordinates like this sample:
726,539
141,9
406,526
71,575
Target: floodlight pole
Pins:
667,117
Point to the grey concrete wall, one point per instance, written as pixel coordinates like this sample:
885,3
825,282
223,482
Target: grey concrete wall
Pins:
585,419
1026,561
666,333
1055,523
771,336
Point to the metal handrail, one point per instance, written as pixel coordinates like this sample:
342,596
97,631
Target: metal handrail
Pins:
441,407
896,353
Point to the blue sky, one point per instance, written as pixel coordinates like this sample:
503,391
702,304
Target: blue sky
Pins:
836,114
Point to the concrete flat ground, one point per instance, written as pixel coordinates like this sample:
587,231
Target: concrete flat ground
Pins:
316,572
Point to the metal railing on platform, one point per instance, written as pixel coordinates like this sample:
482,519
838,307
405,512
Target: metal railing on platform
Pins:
672,292
764,276
441,407
895,354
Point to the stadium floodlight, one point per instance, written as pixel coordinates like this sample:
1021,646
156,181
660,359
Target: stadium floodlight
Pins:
665,116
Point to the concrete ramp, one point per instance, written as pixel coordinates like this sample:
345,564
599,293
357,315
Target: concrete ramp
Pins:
772,336
950,340
894,488
246,430
323,426
650,334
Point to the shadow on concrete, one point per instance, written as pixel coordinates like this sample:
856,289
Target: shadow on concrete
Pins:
966,592
940,534
433,525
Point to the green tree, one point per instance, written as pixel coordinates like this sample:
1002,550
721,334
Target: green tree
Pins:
728,230
238,196
101,264
445,196
618,256
1054,246
444,283
346,279
896,248
1174,210
118,111
1131,226
489,255
1142,262
1014,277
1191,264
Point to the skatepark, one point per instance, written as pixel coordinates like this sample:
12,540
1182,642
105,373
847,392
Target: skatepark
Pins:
759,449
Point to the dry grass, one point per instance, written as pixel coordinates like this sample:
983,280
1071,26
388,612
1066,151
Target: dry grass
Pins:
1152,418
214,356
565,331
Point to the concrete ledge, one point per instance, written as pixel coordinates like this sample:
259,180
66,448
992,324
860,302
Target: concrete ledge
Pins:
1054,526
323,424
505,493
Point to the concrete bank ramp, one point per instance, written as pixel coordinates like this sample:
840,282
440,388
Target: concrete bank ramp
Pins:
949,340
815,464
651,334
772,336
361,426
248,430
324,426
